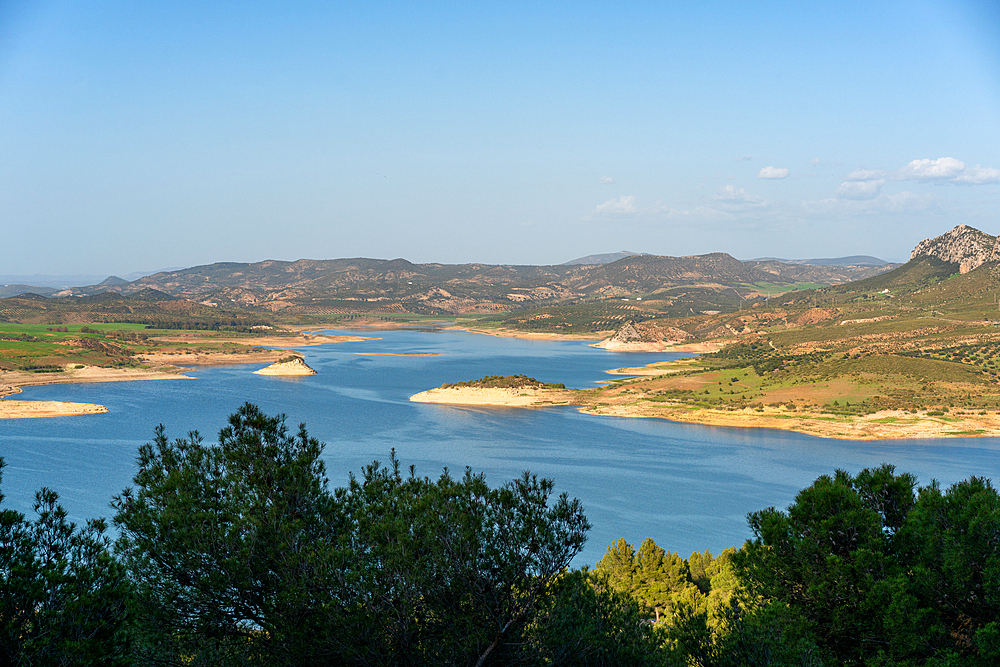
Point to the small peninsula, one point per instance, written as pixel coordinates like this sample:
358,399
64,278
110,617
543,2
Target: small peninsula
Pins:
658,395
120,352
499,391
291,365
10,409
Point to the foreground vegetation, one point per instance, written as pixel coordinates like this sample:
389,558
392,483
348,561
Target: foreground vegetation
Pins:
239,553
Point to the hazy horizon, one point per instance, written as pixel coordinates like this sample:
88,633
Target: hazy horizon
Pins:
136,137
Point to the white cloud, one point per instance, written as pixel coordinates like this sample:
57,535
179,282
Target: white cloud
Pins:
865,175
814,161
941,169
624,205
946,170
860,189
732,195
607,180
773,172
744,158
978,175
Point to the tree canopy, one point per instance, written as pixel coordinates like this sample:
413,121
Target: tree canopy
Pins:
63,597
873,573
241,553
238,552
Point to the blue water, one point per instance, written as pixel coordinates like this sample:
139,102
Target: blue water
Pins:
688,487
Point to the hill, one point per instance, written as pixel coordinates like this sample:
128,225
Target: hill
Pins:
605,258
913,350
363,285
853,260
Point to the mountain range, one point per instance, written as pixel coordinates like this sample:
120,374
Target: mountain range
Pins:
336,286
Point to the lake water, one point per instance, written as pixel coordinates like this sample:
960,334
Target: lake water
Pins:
688,487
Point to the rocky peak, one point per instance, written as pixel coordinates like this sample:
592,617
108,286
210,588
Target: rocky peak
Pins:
627,333
966,246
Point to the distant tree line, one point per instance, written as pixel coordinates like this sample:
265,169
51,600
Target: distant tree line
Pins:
238,552
234,324
21,338
238,323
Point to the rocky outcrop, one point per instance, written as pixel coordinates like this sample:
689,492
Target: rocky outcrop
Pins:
293,366
636,337
966,246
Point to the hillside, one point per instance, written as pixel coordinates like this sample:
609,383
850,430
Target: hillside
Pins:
715,281
917,347
146,306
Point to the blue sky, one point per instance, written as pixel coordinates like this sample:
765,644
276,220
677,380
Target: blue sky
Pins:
139,135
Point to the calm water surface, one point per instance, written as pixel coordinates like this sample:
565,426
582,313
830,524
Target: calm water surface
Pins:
688,487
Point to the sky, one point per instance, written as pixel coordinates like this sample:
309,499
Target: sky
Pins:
137,135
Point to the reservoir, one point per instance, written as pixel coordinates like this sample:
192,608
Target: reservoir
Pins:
688,487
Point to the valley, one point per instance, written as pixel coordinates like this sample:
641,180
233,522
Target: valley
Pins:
907,350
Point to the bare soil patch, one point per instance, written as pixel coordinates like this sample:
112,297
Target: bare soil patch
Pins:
10,409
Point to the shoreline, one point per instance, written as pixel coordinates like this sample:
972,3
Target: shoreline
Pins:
526,335
300,339
38,409
707,346
600,339
159,366
883,425
522,397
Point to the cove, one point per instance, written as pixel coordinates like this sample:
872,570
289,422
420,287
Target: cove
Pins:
688,487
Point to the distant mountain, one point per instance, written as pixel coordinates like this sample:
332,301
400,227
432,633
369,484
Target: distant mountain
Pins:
54,281
606,258
18,289
852,260
46,285
360,284
715,281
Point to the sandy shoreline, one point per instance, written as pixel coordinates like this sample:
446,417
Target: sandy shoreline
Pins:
10,409
159,366
884,425
527,335
303,339
519,398
14,380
